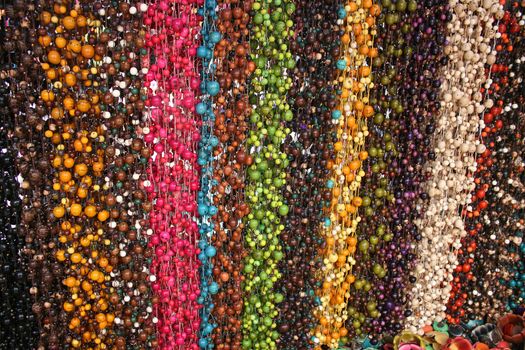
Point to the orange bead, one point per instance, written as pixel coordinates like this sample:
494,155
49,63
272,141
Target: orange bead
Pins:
78,146
364,71
45,17
57,113
86,286
70,79
103,262
98,166
60,42
351,209
44,40
355,164
74,323
363,50
81,21
103,215
345,39
70,282
373,52
88,51
47,95
375,10
76,258
68,307
83,106
359,105
76,209
74,45
59,212
69,162
81,169
366,4
64,176
368,111
53,57
90,211
100,317
69,22
351,241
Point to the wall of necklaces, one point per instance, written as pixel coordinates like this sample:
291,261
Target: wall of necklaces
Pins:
262,174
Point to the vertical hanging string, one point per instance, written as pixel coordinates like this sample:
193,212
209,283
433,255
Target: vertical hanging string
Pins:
18,323
173,132
209,89
308,147
232,111
340,226
270,39
455,143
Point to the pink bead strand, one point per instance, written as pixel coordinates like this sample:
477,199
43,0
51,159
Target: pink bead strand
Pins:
172,84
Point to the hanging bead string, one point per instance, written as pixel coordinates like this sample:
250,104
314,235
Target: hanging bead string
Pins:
377,244
209,89
270,39
308,146
455,141
339,229
69,35
418,96
474,265
507,224
409,45
121,43
232,110
18,324
171,91
36,177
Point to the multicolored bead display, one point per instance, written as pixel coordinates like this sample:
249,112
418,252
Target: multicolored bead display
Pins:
262,174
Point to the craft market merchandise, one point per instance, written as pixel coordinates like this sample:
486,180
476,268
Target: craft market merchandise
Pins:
171,89
410,40
18,323
483,260
206,209
503,241
125,204
449,186
309,147
71,40
231,159
271,32
358,21
262,174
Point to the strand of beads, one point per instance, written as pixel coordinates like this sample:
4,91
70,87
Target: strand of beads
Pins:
466,295
375,275
74,50
121,41
350,116
507,222
308,148
397,148
413,124
231,127
171,89
455,143
18,326
270,36
206,209
36,174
